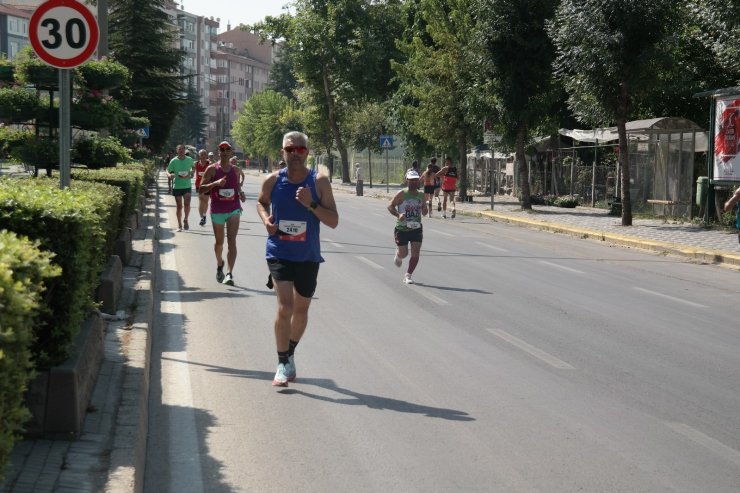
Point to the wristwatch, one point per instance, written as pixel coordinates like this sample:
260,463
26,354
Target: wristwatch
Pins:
312,206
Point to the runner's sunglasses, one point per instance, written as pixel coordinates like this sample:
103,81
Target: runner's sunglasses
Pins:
298,149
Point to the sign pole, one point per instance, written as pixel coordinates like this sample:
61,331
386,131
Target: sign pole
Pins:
386,142
65,131
494,189
387,178
64,34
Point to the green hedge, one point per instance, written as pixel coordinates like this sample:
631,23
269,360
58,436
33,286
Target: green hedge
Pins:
23,272
100,152
76,224
10,139
147,166
129,180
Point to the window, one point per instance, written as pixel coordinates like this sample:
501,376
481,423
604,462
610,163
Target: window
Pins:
13,48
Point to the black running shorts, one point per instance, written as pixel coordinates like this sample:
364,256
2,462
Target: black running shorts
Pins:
303,275
403,238
179,192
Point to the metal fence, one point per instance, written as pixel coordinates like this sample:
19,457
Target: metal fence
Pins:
661,173
376,170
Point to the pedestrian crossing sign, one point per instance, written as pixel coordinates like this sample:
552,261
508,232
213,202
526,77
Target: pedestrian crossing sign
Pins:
386,141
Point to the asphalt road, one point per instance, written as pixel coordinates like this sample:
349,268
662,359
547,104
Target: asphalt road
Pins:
519,361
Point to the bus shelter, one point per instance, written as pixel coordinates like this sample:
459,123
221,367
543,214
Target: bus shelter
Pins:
662,154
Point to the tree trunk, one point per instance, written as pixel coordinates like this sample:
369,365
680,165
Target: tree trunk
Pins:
335,128
521,136
624,156
462,144
370,167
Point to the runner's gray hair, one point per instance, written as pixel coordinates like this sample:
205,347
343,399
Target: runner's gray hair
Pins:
296,135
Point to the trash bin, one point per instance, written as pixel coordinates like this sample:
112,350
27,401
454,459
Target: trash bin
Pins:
702,185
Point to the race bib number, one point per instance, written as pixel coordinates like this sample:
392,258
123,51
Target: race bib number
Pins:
292,230
226,193
183,174
413,224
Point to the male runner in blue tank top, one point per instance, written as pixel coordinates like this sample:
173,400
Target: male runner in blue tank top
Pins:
292,203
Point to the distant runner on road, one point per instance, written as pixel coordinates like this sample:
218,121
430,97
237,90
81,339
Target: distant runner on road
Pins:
180,171
448,174
223,181
408,206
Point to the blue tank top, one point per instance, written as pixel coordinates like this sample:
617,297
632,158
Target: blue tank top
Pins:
297,237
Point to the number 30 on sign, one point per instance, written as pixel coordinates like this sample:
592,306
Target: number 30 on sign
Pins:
63,33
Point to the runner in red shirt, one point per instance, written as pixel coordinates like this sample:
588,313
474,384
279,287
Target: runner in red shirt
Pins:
449,185
200,169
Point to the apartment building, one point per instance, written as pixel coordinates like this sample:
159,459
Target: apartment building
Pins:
226,69
13,29
238,77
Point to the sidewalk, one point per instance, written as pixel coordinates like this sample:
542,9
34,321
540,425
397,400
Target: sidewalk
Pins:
673,237
110,452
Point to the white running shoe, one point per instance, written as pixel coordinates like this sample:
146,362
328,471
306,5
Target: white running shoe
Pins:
281,376
407,279
397,261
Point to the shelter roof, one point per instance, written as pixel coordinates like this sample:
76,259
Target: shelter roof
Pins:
664,125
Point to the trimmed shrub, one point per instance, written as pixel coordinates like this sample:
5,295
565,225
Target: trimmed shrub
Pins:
103,74
129,180
40,152
75,224
567,201
146,166
18,104
100,152
11,138
23,271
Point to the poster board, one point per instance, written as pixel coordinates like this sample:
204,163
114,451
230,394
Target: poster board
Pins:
726,162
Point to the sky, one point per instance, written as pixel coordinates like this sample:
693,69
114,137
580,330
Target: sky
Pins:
234,11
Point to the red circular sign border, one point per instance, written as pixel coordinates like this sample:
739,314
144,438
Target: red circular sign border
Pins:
92,25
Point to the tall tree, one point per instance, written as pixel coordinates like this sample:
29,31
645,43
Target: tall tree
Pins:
191,123
607,55
366,124
518,95
435,78
282,75
718,28
263,121
341,50
143,39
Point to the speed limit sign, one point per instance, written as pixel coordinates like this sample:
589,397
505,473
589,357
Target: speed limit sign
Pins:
63,33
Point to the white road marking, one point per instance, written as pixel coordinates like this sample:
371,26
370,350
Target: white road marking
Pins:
491,247
431,297
177,393
369,262
672,298
443,233
706,441
334,243
528,348
562,267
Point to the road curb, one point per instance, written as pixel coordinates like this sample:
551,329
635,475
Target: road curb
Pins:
698,254
128,451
